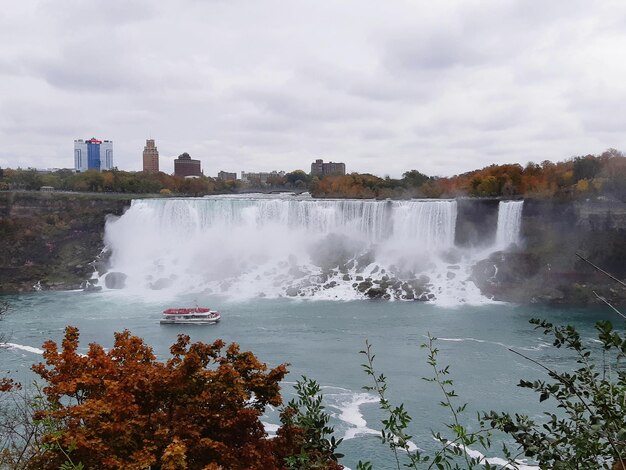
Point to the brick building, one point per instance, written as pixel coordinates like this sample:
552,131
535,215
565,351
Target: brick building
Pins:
227,176
184,165
150,157
319,168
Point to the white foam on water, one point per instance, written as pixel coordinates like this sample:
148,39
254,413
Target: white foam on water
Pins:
271,429
349,404
21,347
518,465
539,346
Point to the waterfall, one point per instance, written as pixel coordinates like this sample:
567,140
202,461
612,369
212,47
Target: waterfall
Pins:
247,247
509,223
273,246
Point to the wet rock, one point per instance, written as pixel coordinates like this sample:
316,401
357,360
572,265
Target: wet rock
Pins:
358,278
375,270
376,293
115,280
90,286
363,286
292,291
365,260
346,277
450,275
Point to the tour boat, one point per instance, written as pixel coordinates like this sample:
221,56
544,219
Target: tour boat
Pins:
195,315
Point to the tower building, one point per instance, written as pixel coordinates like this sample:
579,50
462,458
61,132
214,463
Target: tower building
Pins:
150,157
93,154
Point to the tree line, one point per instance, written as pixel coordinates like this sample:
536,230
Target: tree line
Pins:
577,177
141,182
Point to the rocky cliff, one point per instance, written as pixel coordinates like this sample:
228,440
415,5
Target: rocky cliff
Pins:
50,240
545,268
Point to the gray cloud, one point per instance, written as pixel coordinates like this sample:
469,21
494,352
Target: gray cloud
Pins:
443,87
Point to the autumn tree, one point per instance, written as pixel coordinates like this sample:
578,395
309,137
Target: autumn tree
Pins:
200,409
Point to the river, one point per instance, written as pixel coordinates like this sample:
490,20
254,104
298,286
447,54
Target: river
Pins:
322,340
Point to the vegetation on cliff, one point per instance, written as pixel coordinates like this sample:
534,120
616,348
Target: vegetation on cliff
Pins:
51,239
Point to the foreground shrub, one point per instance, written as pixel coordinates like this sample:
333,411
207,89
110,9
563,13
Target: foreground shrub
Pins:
199,410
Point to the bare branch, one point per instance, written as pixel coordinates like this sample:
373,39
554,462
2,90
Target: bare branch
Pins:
609,304
600,270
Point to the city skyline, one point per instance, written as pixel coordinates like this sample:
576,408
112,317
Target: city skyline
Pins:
438,87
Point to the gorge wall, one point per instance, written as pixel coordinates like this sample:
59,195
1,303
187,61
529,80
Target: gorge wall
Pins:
373,248
51,240
544,268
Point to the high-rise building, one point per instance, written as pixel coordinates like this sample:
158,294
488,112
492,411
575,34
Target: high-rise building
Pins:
319,168
93,154
227,176
262,177
150,157
184,165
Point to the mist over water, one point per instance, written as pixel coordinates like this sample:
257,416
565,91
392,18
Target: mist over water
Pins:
247,247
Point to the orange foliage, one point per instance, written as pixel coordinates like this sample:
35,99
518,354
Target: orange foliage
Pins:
124,409
577,177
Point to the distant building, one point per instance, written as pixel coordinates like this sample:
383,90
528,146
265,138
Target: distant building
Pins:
261,177
226,176
93,154
184,165
150,157
319,168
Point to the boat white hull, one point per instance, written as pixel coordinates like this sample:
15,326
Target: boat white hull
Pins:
189,317
188,322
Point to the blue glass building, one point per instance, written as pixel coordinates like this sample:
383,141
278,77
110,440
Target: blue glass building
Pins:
93,154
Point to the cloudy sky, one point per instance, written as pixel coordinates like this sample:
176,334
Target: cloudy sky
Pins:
438,86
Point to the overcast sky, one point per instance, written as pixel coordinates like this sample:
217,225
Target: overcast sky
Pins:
384,86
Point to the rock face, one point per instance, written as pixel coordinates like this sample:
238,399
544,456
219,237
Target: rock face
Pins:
51,238
115,280
546,269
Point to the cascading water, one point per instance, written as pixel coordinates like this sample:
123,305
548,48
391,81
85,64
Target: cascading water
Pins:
247,247
509,223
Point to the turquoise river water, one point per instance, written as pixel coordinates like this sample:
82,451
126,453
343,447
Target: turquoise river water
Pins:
322,339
